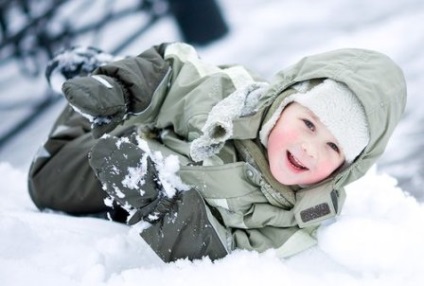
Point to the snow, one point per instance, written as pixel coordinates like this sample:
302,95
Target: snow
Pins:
377,240
167,168
72,61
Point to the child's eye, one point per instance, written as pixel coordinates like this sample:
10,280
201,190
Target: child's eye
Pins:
309,124
334,147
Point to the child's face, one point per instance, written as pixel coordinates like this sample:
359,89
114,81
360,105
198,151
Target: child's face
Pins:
301,150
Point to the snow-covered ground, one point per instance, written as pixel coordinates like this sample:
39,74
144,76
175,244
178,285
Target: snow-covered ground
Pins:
378,239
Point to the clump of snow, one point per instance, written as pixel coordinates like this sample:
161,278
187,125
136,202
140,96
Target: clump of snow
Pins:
167,168
98,120
122,140
167,174
134,179
118,192
108,201
135,176
74,61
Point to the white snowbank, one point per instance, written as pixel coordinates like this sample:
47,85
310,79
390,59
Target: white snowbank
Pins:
378,240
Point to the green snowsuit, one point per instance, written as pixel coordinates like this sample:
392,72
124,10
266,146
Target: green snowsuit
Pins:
233,201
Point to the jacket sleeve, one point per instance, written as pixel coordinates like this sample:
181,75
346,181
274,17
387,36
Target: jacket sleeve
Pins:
166,86
140,76
173,88
116,91
194,88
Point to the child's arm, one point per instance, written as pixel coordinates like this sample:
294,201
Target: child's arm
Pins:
167,86
117,90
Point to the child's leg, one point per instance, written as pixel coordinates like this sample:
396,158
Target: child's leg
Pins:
60,177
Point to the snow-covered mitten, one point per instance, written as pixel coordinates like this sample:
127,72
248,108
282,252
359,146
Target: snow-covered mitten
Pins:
130,178
74,62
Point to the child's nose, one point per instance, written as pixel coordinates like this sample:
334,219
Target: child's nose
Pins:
309,149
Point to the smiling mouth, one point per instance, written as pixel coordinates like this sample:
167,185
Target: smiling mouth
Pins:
294,162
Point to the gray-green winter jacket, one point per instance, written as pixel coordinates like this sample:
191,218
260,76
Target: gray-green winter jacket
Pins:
210,117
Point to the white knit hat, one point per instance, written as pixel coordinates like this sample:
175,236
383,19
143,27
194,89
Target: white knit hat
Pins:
340,111
337,108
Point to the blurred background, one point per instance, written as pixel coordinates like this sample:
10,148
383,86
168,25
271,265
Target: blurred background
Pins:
264,35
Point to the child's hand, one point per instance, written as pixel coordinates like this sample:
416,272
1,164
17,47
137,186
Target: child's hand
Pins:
99,98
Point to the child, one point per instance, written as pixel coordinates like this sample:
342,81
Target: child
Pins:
212,158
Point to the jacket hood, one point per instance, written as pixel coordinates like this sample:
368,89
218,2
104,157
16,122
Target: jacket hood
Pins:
374,78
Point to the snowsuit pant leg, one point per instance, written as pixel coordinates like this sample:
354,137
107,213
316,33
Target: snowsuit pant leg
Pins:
60,177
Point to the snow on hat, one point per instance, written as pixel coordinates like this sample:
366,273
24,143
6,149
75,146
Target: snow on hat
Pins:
340,111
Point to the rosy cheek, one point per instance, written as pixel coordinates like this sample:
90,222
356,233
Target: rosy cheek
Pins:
325,169
291,136
285,136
